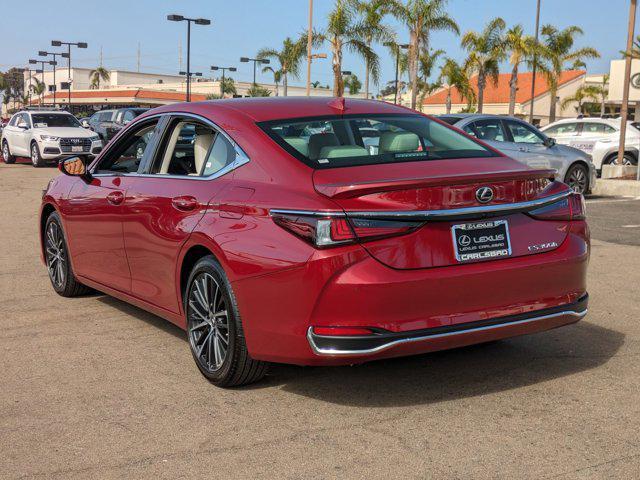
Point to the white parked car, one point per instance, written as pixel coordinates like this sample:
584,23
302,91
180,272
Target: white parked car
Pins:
525,143
599,137
46,136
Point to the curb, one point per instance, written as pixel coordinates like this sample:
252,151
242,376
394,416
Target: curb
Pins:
616,188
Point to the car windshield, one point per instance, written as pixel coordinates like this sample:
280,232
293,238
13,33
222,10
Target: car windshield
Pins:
348,140
44,120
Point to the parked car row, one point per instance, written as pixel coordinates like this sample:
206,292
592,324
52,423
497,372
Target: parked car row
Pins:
107,123
599,137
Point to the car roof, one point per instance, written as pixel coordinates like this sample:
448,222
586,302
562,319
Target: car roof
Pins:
55,112
476,116
609,121
277,108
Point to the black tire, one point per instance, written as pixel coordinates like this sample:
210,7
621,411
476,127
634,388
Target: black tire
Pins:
627,159
6,153
61,275
36,158
578,178
206,331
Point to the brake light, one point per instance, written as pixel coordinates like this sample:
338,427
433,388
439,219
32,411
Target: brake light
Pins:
571,207
333,231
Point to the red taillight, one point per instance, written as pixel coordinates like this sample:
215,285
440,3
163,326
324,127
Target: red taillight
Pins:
571,207
332,231
341,331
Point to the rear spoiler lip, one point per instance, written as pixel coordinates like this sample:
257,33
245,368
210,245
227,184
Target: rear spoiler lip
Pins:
481,211
349,190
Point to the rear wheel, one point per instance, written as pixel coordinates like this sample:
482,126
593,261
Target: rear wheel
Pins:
57,257
6,154
36,158
215,330
578,178
627,159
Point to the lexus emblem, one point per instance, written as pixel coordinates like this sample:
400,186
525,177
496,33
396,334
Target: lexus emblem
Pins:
484,194
464,240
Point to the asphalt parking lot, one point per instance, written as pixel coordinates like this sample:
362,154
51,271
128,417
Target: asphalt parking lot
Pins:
94,388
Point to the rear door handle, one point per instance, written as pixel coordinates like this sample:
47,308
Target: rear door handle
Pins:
115,198
184,203
523,149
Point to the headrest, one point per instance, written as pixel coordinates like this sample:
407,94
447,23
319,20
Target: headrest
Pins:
319,140
342,151
398,142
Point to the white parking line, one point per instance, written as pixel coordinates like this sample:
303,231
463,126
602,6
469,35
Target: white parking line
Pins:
630,226
614,200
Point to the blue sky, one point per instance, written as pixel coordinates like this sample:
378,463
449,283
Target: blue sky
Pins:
242,27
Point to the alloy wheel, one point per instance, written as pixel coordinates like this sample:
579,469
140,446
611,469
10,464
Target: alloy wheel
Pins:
208,322
34,154
578,180
5,151
55,255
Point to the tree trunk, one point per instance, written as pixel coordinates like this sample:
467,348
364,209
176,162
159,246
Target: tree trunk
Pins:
448,103
285,83
552,108
366,74
481,84
338,84
413,66
513,88
602,106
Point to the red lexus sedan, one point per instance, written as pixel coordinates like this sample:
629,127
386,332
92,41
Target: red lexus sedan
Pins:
316,232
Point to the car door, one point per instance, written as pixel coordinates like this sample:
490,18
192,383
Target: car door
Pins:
166,203
531,146
93,211
492,131
21,135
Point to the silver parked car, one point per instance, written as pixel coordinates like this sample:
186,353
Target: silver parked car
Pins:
525,143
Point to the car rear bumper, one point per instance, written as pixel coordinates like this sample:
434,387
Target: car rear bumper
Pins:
448,336
349,288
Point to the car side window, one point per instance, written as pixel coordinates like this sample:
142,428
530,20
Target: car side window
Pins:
523,133
489,129
128,116
563,128
23,119
191,148
595,128
126,155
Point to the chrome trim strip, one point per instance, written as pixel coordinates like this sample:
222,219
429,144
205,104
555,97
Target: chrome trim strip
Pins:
333,352
435,214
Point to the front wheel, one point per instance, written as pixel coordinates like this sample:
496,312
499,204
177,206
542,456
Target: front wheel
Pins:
578,178
56,255
6,154
36,158
215,330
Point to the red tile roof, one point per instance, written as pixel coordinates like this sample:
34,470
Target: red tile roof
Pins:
499,93
138,93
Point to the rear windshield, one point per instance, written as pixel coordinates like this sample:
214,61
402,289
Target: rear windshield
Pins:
44,120
348,140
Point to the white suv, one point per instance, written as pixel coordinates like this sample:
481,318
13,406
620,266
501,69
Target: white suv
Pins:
47,135
598,137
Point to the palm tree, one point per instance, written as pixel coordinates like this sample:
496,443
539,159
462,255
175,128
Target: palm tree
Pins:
258,91
583,93
602,91
421,17
38,88
98,74
277,76
353,83
372,13
453,76
558,54
521,48
343,32
635,49
486,50
426,62
289,56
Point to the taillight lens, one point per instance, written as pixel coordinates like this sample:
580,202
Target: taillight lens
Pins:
571,207
332,231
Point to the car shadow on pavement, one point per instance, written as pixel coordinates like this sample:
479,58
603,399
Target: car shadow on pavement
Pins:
454,374
150,318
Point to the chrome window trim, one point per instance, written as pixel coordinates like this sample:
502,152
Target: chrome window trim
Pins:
241,157
433,214
335,352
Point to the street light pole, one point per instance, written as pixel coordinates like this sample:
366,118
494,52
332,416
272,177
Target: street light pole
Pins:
624,109
58,43
43,53
224,69
197,21
41,62
255,61
535,63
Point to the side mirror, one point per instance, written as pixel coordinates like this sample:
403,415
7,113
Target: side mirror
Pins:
549,142
74,167
85,123
23,126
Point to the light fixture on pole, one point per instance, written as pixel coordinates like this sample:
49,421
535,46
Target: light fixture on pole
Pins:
42,64
224,69
197,21
43,53
397,47
58,43
255,61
